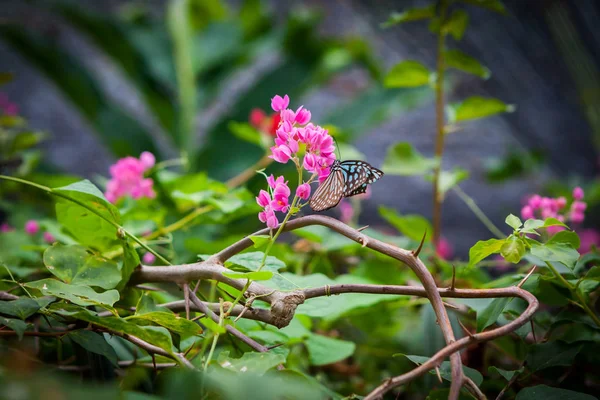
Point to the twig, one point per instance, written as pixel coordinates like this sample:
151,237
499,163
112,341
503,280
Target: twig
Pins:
248,173
512,380
474,389
418,250
526,277
186,298
453,284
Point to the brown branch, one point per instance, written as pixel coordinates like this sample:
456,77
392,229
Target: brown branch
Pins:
248,173
8,296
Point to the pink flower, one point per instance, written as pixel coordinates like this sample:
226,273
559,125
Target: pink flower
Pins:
303,191
32,227
588,238
274,182
578,206
561,202
278,103
346,211
578,193
263,199
535,201
281,196
281,154
527,212
577,217
127,178
148,258
444,249
257,116
48,237
288,116
268,216
310,162
8,107
302,116
5,227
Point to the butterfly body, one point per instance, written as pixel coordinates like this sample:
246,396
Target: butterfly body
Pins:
346,179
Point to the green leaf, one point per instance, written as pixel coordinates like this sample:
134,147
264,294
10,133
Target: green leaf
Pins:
551,354
168,320
456,24
592,274
567,237
73,264
131,260
513,249
513,221
93,229
77,294
95,343
560,248
155,335
505,374
251,362
531,225
483,249
246,132
323,350
445,370
260,240
411,226
464,62
407,74
252,260
449,179
254,275
490,314
493,5
477,107
403,159
550,393
553,222
411,14
24,307
16,325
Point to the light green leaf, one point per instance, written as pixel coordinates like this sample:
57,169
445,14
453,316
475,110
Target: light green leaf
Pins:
407,74
252,260
464,62
513,221
412,226
531,225
95,343
477,107
449,179
483,249
456,24
246,132
551,393
251,362
260,240
24,307
411,14
323,350
93,229
254,275
403,159
168,320
513,249
490,314
504,373
77,294
445,370
551,354
16,325
73,264
560,248
131,260
553,222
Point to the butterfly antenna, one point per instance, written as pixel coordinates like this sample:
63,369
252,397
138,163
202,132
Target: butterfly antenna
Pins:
337,147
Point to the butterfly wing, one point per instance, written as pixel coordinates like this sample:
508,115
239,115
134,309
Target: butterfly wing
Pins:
356,174
330,192
360,190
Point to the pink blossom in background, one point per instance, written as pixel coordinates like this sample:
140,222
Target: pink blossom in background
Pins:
32,227
5,227
127,178
589,238
346,211
8,107
444,249
279,103
48,237
578,193
547,207
303,191
148,258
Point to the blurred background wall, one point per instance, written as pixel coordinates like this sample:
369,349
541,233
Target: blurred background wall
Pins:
543,57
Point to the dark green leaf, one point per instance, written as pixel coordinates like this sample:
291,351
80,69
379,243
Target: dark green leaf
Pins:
483,249
323,350
131,260
403,159
253,260
464,62
513,221
411,14
549,393
551,354
24,307
94,342
407,74
477,107
505,374
168,320
490,314
251,362
592,274
561,249
254,275
513,249
456,24
412,226
73,264
16,325
81,295
445,369
494,5
246,132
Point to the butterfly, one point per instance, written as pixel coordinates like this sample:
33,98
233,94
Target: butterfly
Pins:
346,178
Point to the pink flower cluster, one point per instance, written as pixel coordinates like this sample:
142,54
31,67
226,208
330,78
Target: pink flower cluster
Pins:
295,129
32,227
547,207
127,178
278,199
7,106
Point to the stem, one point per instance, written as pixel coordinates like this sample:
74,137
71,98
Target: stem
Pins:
575,292
215,338
439,117
180,223
468,200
